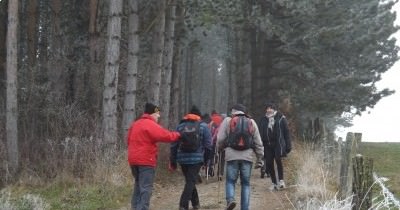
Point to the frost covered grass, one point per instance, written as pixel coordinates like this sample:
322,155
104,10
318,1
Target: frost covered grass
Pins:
315,184
26,201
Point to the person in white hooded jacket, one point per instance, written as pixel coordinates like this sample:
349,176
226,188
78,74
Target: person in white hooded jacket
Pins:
239,161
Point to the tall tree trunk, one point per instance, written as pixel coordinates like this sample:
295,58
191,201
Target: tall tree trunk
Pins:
110,97
232,67
3,35
165,96
189,73
157,52
177,67
131,80
96,57
12,87
253,69
57,63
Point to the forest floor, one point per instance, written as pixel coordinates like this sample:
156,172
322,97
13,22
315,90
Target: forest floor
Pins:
212,194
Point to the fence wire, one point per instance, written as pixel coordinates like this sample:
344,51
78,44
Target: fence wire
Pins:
386,199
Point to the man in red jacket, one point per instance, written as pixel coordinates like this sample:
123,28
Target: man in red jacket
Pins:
143,136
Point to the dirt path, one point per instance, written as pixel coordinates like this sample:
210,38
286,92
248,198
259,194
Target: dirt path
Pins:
212,195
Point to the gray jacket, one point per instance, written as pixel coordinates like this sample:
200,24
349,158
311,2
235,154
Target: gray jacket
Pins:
231,154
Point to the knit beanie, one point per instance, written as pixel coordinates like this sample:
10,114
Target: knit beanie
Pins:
240,107
195,110
150,108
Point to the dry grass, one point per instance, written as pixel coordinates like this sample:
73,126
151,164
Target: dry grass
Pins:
315,183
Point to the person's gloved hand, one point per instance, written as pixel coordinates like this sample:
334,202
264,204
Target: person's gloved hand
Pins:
172,166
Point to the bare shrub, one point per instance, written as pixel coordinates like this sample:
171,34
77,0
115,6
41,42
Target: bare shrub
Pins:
316,186
71,151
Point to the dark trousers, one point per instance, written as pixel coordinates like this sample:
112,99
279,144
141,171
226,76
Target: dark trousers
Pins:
270,158
189,193
144,178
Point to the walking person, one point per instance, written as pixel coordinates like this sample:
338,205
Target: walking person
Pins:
275,136
239,137
142,139
192,152
213,123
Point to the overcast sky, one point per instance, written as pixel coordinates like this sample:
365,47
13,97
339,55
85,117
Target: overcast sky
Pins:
382,123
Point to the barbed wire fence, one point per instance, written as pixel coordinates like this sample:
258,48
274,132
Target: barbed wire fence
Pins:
385,199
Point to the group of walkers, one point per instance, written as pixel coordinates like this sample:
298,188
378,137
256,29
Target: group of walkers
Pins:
201,139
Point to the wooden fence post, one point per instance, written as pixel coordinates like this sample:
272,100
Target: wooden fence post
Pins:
362,182
350,149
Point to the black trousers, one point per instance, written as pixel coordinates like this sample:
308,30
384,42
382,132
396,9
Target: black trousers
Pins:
189,193
270,159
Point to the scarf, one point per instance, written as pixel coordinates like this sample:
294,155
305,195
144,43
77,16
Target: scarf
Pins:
271,119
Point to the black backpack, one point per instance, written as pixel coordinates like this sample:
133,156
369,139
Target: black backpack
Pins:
241,130
190,137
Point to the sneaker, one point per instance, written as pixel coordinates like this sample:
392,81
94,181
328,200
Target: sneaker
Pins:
273,187
281,184
231,205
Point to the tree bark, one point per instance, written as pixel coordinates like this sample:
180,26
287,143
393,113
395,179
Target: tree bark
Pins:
96,52
132,71
110,97
12,87
165,96
157,51
177,63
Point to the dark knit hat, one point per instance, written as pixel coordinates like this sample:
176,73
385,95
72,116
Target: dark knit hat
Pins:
270,105
150,108
240,107
195,110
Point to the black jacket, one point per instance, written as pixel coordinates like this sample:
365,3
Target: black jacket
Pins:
280,138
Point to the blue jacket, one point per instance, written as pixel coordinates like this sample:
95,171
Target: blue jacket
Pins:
202,154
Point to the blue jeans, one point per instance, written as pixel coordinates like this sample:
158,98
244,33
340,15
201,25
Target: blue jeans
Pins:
233,169
144,178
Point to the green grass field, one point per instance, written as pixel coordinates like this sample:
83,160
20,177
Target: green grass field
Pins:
386,160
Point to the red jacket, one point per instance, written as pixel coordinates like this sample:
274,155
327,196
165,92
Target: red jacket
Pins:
143,136
217,119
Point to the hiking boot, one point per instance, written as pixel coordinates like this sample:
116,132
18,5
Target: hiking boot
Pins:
273,187
231,205
281,184
262,174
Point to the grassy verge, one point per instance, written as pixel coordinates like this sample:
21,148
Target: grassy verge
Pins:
108,188
66,196
386,157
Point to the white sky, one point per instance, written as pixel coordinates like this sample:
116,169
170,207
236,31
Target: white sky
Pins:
382,123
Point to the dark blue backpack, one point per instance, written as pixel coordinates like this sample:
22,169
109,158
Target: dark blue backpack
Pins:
190,137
